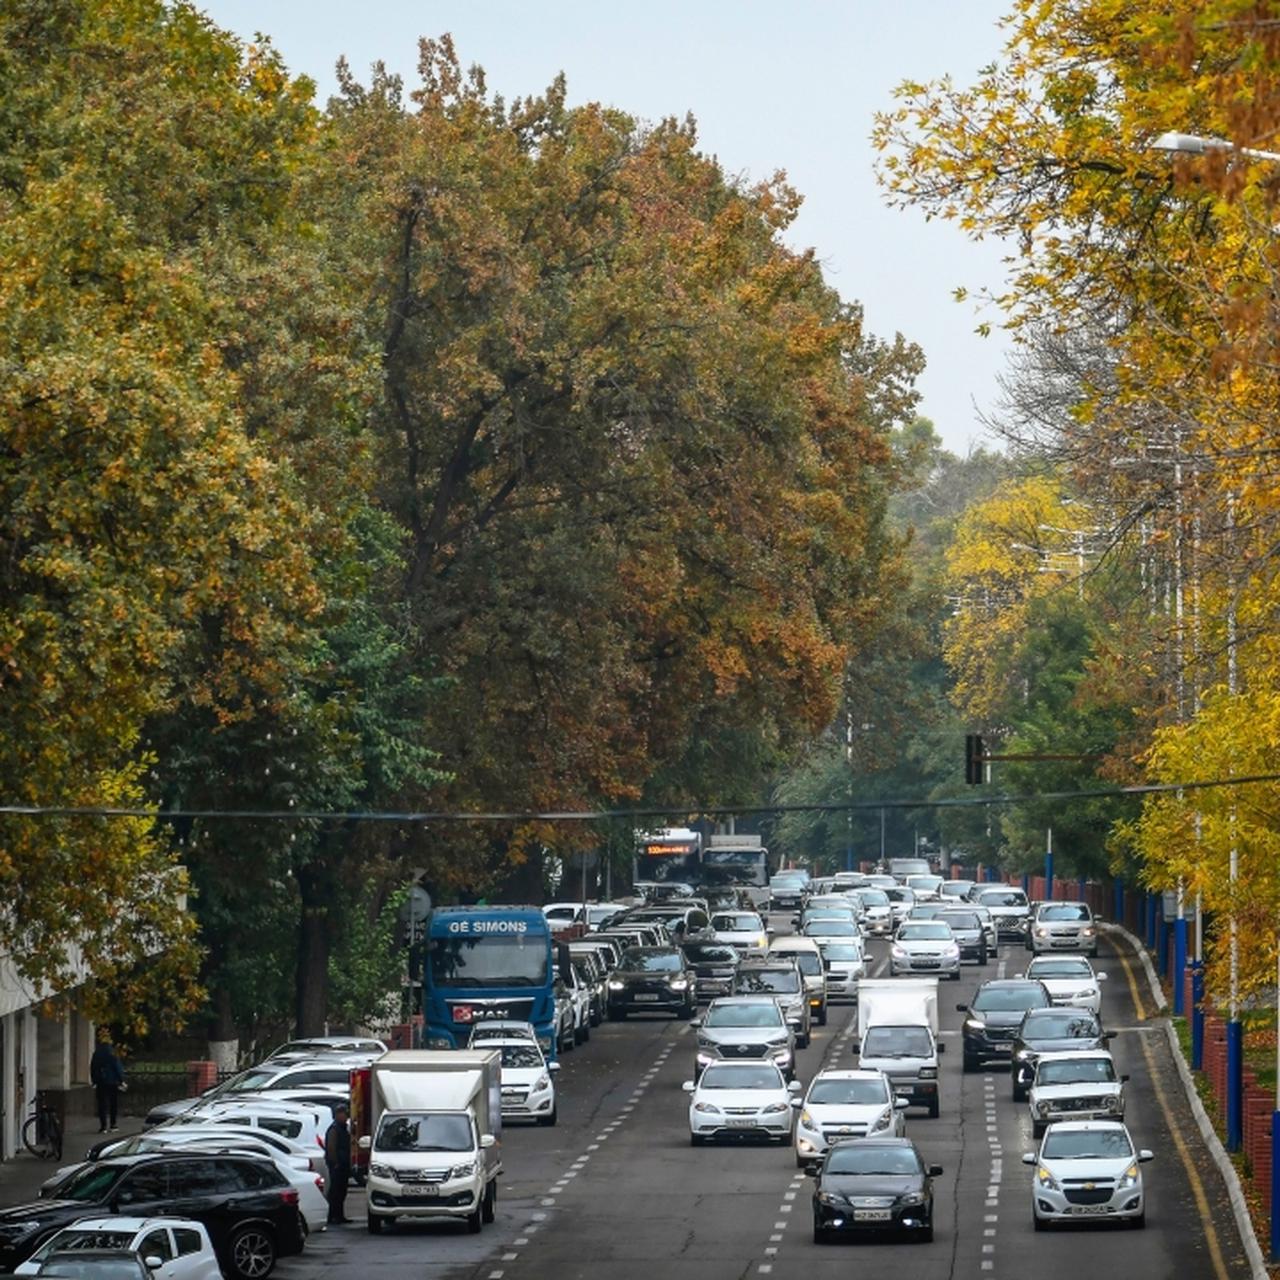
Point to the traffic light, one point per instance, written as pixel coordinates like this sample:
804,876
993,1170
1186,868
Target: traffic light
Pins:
975,769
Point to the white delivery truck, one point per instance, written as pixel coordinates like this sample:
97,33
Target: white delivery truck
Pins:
426,1126
898,1034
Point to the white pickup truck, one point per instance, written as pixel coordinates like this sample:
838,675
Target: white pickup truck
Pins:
898,1034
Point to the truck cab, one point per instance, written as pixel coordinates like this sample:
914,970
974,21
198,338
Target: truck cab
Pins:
898,1034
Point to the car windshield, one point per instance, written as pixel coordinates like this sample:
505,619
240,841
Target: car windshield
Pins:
651,962
1085,1144
521,1055
424,1132
1065,911
960,919
1010,999
924,931
79,1238
869,1160
741,1077
841,951
738,923
1077,1071
897,1042
768,981
924,882
808,962
744,1015
832,928
250,1081
853,1093
873,897
91,1183
124,1267
708,953
1003,898
1060,969
1058,1024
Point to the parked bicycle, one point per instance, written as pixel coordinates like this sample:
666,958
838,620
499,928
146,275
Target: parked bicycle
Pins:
42,1131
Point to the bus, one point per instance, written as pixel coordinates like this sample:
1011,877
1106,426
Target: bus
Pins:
671,855
487,962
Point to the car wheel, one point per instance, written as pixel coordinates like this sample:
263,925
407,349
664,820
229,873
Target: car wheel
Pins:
982,956
1037,1128
1139,1222
1019,1093
821,1235
374,1222
475,1218
926,1234
253,1252
822,1015
934,1108
972,1063
489,1205
1038,1224
687,1012
617,1015
803,1043
955,977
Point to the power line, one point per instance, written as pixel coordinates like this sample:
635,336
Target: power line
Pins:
600,815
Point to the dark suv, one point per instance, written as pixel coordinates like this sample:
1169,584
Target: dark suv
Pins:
995,1015
652,979
1050,1031
969,933
245,1203
713,965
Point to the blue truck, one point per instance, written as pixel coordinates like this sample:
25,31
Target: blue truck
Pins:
488,962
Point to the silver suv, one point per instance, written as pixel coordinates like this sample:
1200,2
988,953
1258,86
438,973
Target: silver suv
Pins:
742,1029
1063,926
780,978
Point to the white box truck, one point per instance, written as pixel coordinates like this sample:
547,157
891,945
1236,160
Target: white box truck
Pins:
427,1127
898,1034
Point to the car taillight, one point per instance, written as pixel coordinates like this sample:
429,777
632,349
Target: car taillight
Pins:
289,1197
320,1184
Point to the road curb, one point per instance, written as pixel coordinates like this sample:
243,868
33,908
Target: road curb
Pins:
1235,1193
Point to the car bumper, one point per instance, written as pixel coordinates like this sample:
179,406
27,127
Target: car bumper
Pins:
1081,946
538,1104
982,1049
674,1003
851,1220
914,964
709,988
783,1059
413,1202
919,1093
1053,1206
1081,1113
740,1127
841,989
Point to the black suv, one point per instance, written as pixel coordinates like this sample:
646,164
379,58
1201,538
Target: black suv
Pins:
652,979
995,1015
1050,1031
245,1203
713,964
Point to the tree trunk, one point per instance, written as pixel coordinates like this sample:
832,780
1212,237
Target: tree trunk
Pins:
312,982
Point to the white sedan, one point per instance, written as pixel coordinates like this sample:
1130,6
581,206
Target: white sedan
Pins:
1071,981
1087,1170
846,1104
742,929
924,946
528,1087
740,1099
181,1245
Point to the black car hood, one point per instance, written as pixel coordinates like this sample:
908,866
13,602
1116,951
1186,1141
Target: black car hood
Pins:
35,1209
855,1185
999,1017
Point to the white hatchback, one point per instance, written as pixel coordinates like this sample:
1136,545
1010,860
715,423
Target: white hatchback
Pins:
1071,981
181,1245
742,929
741,1099
528,1086
1087,1170
847,1104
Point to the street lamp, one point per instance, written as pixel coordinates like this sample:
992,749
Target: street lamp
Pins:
1193,144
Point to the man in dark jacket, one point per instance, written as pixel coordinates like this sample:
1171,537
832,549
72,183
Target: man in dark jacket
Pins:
337,1156
106,1074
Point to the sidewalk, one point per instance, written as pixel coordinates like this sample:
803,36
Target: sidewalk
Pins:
21,1177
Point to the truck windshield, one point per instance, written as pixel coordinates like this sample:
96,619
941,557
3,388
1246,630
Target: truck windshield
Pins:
513,961
440,1132
897,1042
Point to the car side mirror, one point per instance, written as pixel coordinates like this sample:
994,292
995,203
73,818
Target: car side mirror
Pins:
962,1008
901,1104
794,1086
1144,1155
553,1067
942,1048
1107,1035
1100,977
365,1141
813,1171
153,1262
688,1086
797,1102
935,1170
1124,1079
1029,1157
487,1140
696,1023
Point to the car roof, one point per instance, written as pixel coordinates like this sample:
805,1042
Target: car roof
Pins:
1010,982
510,1042
761,997
1050,957
1073,1055
850,1073
1084,1126
123,1222
887,1141
792,942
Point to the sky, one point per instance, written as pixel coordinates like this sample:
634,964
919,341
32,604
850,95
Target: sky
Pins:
773,84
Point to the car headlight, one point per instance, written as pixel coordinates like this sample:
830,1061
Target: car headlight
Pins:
1113,1103
463,1170
928,1073
678,984
1042,933
911,1197
1087,933
382,1171
778,1042
807,1121
1023,1054
704,1043
774,1108
1088,993
974,1024
883,1121
615,985
897,952
1130,1178
706,1109
830,1198
1042,1108
952,950
542,1082
1046,1179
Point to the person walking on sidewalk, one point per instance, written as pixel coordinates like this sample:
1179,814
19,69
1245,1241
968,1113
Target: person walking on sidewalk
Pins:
337,1157
106,1074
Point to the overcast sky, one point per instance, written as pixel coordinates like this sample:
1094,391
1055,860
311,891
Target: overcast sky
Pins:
774,84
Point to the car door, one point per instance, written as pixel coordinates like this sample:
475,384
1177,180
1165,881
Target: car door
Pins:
194,1259
198,1191
143,1192
157,1243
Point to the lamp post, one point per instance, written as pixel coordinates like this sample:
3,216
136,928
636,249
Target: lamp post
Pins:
1193,144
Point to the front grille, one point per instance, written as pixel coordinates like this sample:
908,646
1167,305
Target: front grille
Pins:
1080,1104
1000,1033
743,1050
1079,1195
410,1176
740,1111
845,1131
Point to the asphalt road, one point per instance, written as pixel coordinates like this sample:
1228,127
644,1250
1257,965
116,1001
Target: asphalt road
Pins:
614,1191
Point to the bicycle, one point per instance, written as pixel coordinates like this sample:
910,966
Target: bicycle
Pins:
42,1131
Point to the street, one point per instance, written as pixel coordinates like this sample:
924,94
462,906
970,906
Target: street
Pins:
616,1191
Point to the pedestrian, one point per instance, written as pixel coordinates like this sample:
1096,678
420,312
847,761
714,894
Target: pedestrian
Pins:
106,1074
337,1156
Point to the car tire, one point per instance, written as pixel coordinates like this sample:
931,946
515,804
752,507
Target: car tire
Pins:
1038,1224
955,977
935,1108
822,1015
803,1044
821,1235
1019,1093
972,1063
1037,1128
686,1013
374,1222
696,1140
926,1234
617,1015
489,1203
252,1250
982,957
475,1219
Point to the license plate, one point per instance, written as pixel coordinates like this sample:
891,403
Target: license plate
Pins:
423,1193
873,1215
902,1093
741,1124
644,997
1088,1208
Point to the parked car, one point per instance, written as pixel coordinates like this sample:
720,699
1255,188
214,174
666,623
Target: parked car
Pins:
317,1046
181,1245
245,1203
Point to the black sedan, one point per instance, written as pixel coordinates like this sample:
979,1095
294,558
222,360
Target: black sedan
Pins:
1049,1031
871,1185
651,980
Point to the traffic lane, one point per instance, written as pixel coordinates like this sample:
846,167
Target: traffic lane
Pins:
1188,1234
592,1086
645,1203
